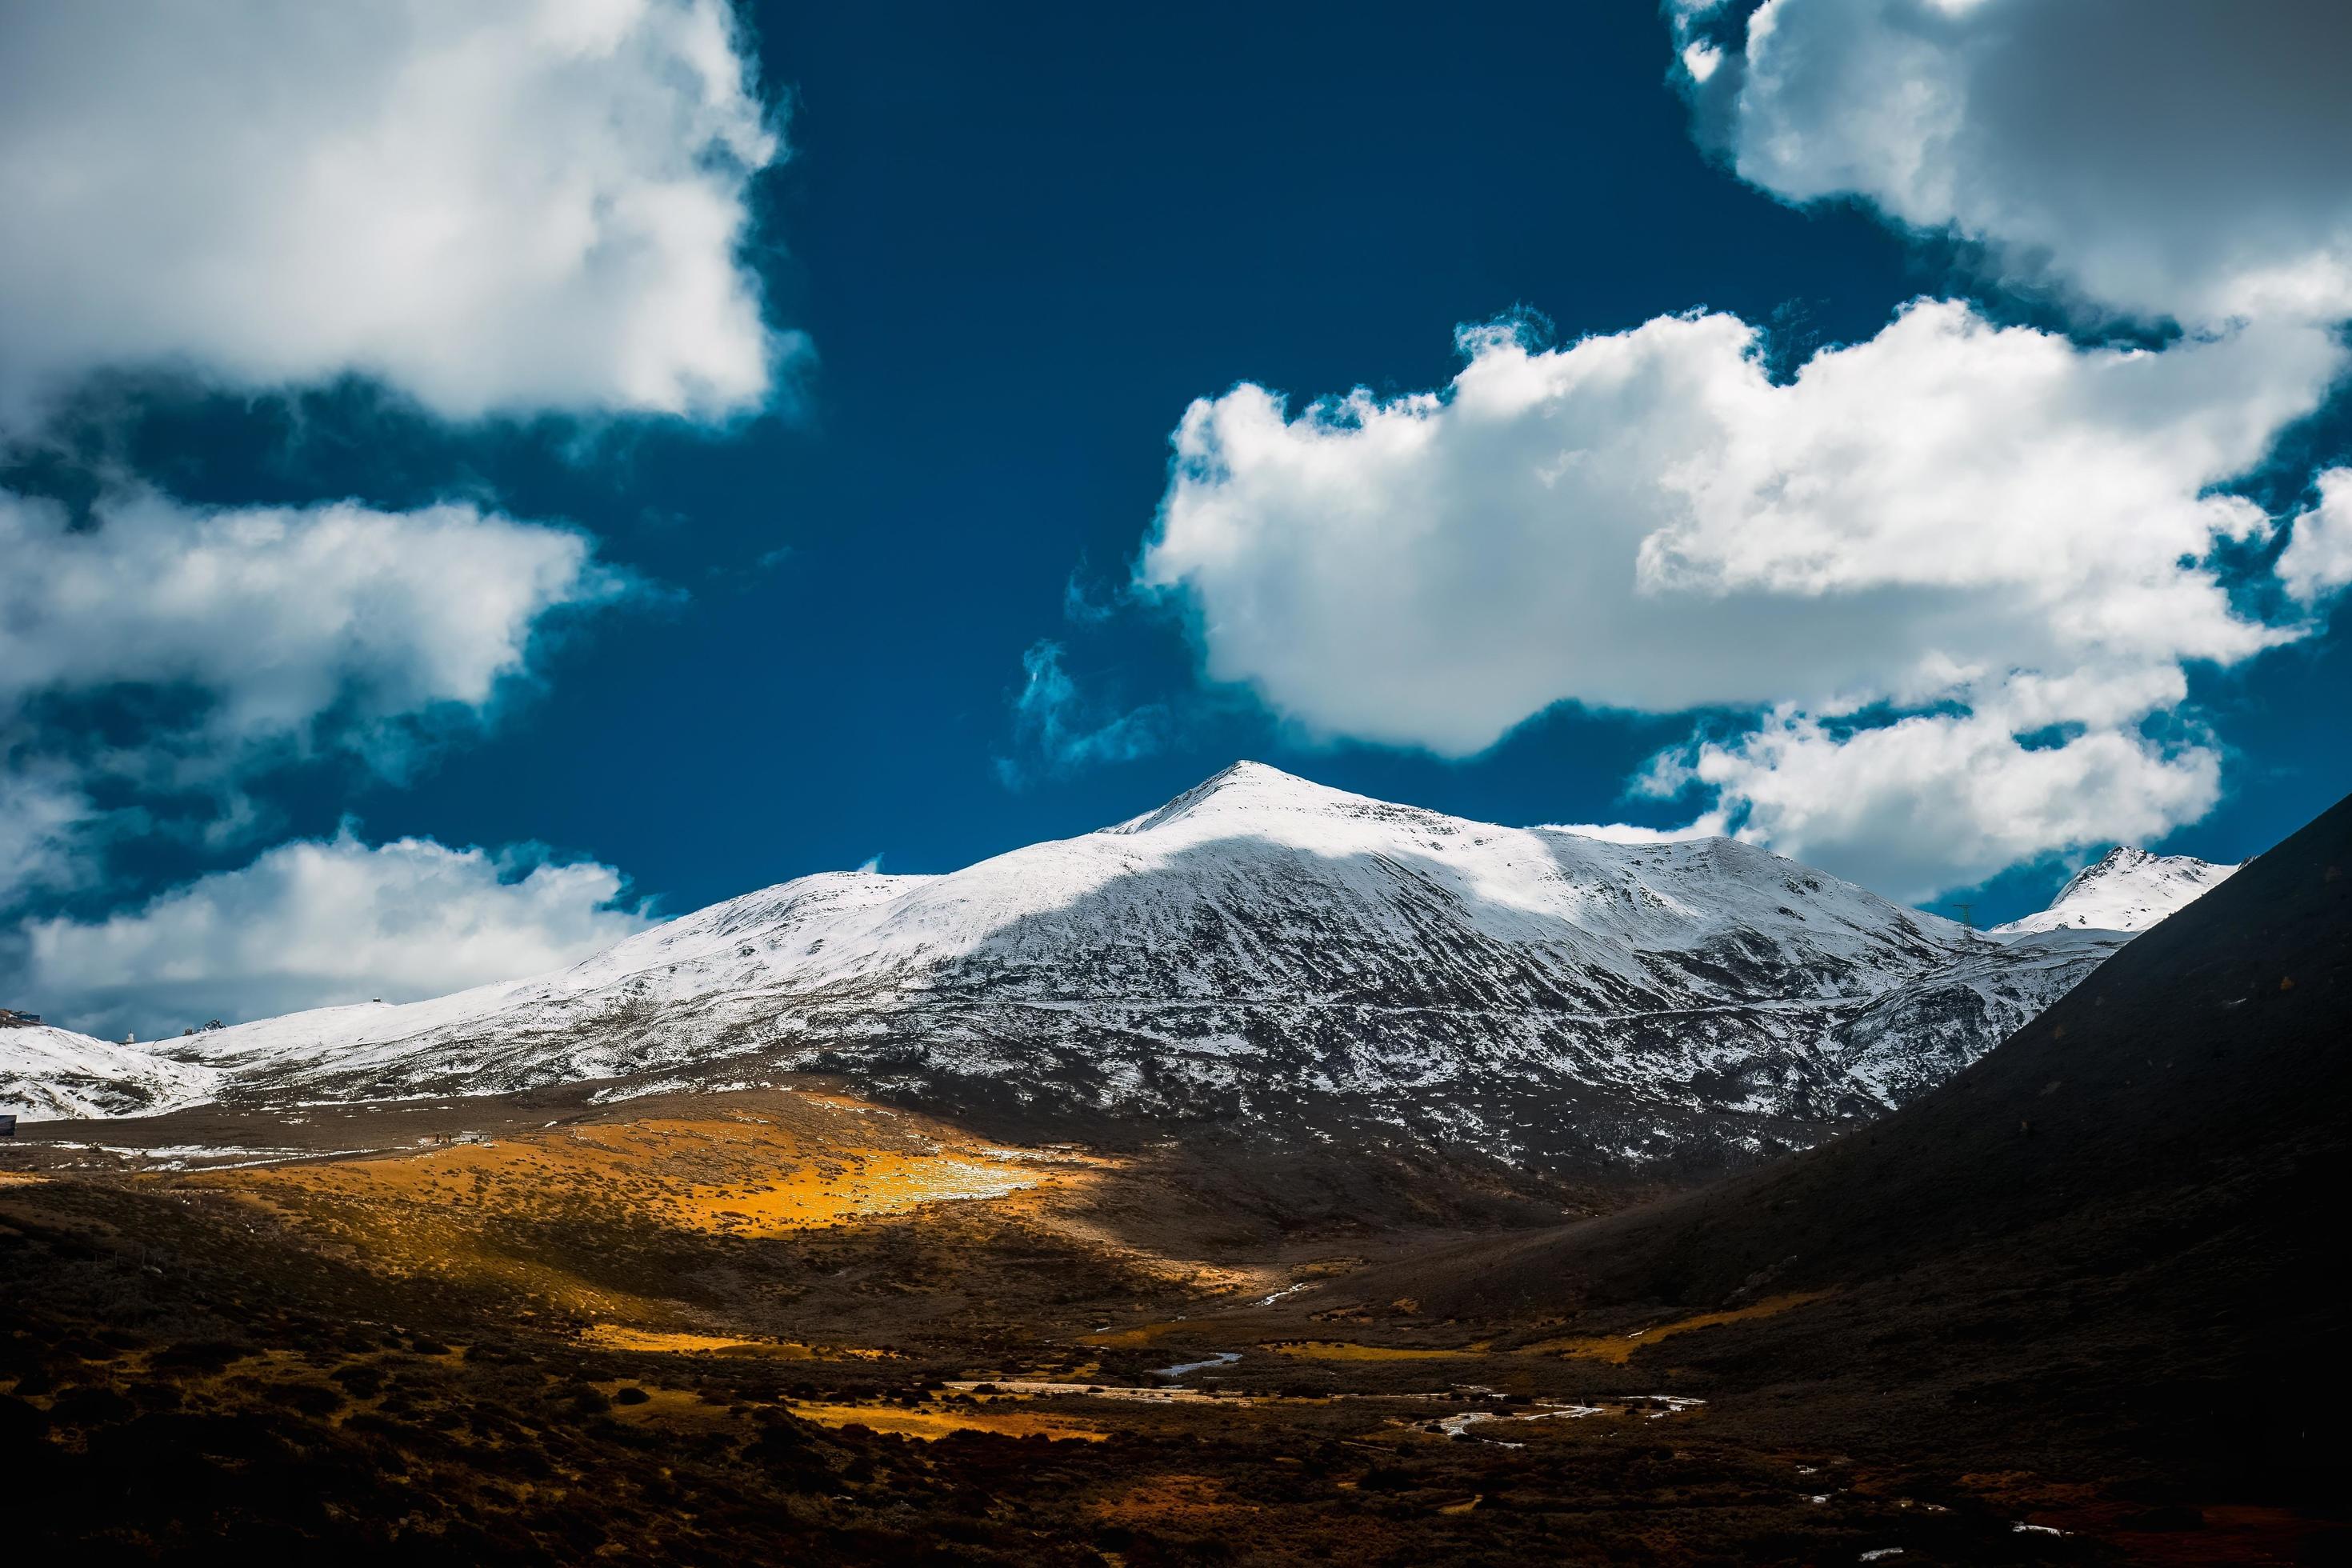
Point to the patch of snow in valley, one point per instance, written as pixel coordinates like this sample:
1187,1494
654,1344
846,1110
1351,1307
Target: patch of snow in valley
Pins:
210,1157
1665,1404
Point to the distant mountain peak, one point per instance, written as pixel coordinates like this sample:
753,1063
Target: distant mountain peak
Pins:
2125,889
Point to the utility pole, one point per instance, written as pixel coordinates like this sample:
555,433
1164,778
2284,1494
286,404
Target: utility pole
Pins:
1968,917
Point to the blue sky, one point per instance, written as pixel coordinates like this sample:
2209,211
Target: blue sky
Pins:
995,258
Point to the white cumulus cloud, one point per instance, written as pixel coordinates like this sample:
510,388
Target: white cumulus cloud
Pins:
501,207
1938,801
1944,589
279,627
315,923
279,612
1707,827
2318,560
1991,523
2164,157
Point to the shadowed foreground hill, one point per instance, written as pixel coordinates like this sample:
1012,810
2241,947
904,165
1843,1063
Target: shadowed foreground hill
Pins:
2119,1233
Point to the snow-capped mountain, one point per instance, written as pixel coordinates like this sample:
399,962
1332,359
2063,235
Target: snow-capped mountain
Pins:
1262,948
47,1073
2128,890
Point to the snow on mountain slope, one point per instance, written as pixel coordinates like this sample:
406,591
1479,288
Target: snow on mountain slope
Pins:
49,1073
2128,891
1920,1033
1261,947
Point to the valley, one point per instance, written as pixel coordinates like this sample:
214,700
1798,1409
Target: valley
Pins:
2055,1306
673,1329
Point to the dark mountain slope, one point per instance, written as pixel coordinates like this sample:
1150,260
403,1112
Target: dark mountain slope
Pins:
2120,1231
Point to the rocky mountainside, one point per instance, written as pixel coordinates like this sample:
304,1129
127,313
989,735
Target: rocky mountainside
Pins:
1261,950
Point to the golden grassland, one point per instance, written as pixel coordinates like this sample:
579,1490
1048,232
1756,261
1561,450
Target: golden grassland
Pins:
486,1212
741,1175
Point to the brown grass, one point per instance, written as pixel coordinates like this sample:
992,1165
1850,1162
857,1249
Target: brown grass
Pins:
1618,1349
1340,1350
1137,1338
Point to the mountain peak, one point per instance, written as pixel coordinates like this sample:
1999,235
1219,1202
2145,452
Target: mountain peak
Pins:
2122,860
2126,889
1244,787
1247,774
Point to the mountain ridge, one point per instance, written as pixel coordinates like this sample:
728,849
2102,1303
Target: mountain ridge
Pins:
1258,951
